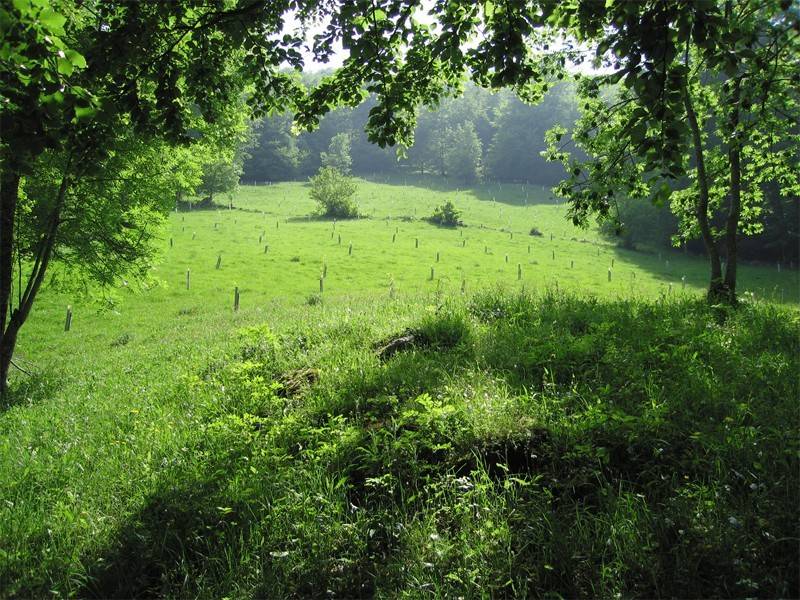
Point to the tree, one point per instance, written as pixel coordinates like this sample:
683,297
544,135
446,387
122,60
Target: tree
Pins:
704,125
513,154
446,215
668,54
219,177
334,192
221,174
338,154
462,153
276,155
88,103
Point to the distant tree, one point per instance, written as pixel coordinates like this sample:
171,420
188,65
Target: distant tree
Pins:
318,142
463,152
220,177
338,154
277,154
641,224
446,215
518,136
334,192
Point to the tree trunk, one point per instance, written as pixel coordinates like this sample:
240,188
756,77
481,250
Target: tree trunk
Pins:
9,341
44,251
716,286
734,196
9,194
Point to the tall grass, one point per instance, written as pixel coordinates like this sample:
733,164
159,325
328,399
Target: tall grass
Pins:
522,445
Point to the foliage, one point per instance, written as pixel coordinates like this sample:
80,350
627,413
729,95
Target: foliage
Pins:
123,202
695,123
446,215
462,153
338,154
539,445
640,224
333,192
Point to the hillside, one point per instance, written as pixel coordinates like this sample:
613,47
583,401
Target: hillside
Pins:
272,249
519,446
577,437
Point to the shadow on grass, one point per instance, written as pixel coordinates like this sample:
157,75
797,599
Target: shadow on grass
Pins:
31,388
160,548
628,381
514,194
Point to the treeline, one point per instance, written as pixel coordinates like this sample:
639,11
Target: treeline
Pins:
477,136
488,136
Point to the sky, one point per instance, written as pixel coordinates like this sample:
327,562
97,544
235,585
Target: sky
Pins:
340,54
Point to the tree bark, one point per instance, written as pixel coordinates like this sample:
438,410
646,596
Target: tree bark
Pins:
13,323
9,195
716,285
734,195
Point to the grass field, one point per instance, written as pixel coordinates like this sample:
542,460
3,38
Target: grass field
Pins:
529,444
494,248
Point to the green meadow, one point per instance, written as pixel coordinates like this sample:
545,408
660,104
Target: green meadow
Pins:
272,248
546,433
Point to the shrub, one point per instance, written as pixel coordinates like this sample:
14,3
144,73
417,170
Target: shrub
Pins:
535,231
334,194
446,215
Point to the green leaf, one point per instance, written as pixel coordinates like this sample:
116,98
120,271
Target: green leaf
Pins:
85,112
53,20
64,66
76,58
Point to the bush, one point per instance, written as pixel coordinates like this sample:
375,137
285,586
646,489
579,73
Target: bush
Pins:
334,194
535,231
446,215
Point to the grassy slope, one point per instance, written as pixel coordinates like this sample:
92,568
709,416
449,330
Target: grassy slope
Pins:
136,462
291,268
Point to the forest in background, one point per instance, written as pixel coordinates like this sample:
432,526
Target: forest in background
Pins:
487,136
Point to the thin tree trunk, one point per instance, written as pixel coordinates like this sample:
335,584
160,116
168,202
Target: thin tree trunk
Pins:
701,208
44,252
734,196
9,194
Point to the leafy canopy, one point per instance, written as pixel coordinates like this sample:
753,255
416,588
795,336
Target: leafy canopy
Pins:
334,191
